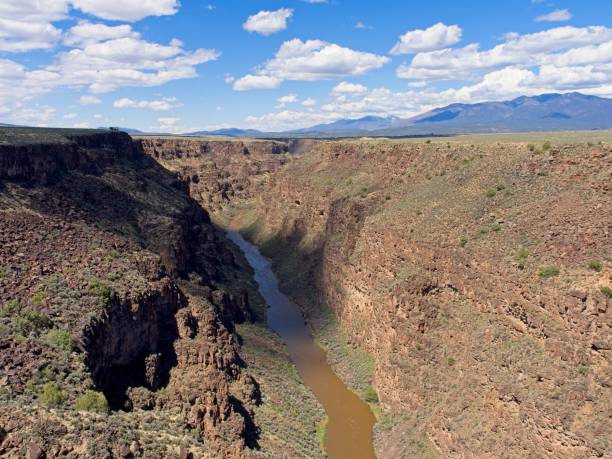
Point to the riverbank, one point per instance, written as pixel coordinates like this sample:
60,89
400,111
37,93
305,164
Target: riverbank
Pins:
350,420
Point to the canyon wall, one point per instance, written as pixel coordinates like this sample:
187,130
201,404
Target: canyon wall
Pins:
478,275
119,301
219,171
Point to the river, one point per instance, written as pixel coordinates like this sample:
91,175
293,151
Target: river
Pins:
349,430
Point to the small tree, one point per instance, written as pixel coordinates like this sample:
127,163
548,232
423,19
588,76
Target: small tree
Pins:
51,395
92,401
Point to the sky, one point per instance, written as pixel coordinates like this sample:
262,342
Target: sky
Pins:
181,66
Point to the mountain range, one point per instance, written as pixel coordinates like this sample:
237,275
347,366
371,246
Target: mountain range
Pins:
546,112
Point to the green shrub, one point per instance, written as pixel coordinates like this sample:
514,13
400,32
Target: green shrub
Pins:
39,297
51,395
104,292
450,361
500,186
546,145
322,432
520,256
370,395
531,147
11,308
60,339
28,321
387,198
491,193
546,272
595,265
463,241
496,227
606,291
92,401
3,272
428,141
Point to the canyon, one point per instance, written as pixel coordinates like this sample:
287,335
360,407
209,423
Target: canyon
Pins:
474,271
460,286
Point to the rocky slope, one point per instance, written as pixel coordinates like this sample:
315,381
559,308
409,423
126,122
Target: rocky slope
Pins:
118,303
478,276
217,171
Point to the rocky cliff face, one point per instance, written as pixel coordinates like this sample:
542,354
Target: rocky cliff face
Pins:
477,275
115,295
217,171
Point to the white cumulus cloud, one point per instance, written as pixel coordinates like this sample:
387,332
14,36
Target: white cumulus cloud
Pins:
127,10
555,16
157,105
310,60
268,22
26,24
518,50
86,33
349,88
288,99
437,36
251,82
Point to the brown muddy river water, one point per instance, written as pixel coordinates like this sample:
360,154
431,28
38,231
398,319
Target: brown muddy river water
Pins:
349,432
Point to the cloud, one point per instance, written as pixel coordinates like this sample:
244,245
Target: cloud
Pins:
127,10
437,36
70,116
288,99
518,50
89,100
85,33
101,67
38,115
310,60
310,102
355,101
250,82
361,25
268,22
26,24
288,119
555,16
124,62
168,124
348,88
157,105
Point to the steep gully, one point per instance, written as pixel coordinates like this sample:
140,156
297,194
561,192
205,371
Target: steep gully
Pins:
350,419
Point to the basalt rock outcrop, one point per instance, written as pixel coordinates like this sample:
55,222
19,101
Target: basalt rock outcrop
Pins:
217,171
117,307
478,275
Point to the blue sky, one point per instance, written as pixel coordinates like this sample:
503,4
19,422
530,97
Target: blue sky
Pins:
165,65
